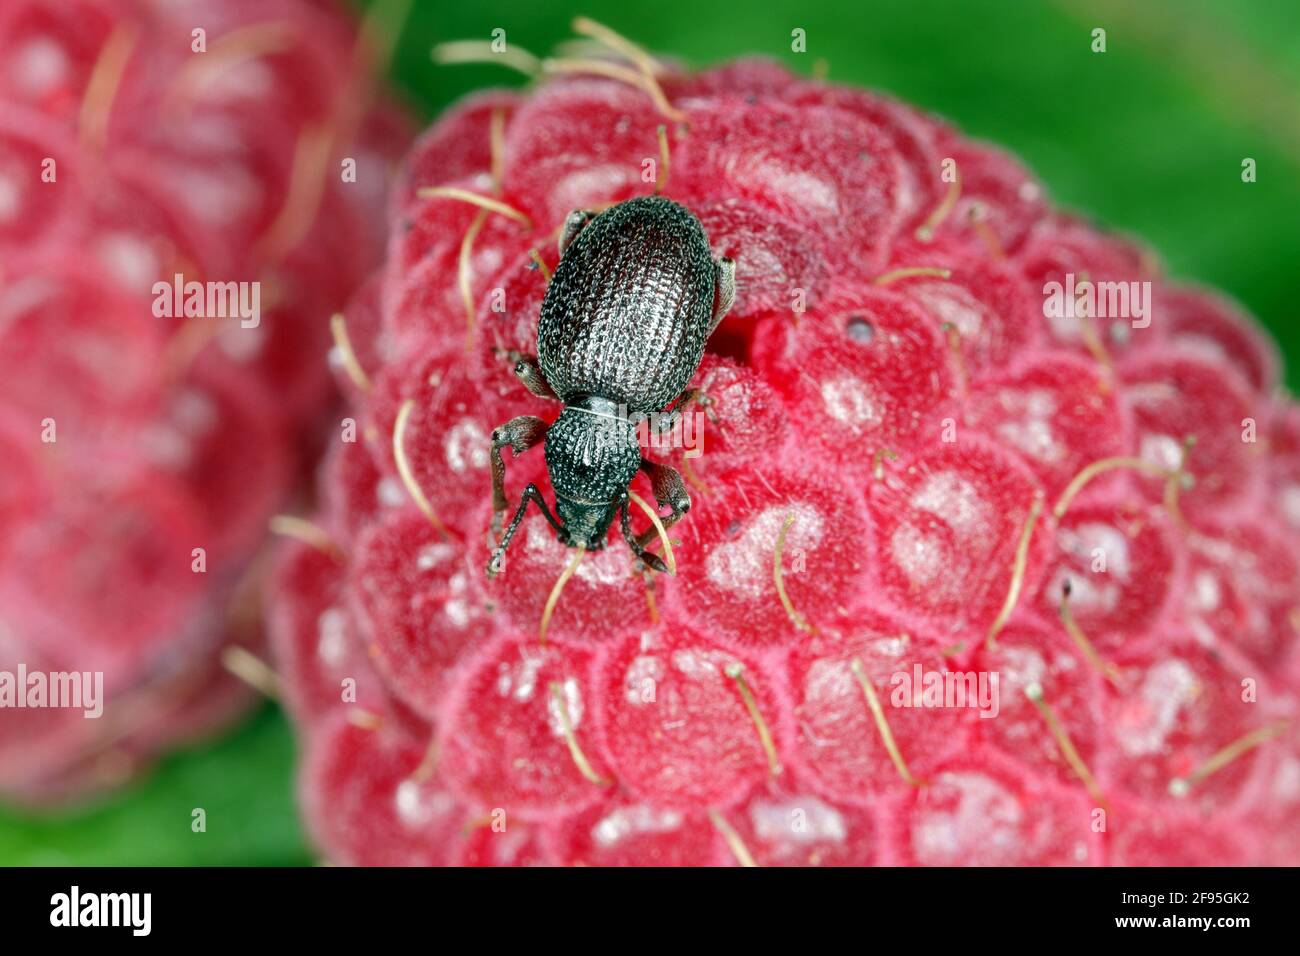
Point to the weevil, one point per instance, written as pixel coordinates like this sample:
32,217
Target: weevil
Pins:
635,296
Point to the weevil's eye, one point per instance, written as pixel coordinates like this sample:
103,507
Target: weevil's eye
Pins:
860,330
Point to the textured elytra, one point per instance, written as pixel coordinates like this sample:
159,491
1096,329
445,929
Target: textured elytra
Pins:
879,468
627,312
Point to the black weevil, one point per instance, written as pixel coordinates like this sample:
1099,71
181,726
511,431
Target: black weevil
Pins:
622,331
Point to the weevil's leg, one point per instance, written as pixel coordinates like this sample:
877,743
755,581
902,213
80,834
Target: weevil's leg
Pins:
530,494
520,434
527,371
724,272
573,224
669,491
666,422
638,549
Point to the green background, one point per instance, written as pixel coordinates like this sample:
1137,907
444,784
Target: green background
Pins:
1147,137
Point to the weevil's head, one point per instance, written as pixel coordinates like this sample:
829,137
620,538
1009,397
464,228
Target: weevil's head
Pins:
592,456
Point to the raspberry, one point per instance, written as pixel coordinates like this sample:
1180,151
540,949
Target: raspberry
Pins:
150,450
961,582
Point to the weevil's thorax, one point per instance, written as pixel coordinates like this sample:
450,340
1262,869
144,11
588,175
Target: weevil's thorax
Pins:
592,455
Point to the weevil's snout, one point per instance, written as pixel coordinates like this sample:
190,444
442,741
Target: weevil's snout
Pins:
584,524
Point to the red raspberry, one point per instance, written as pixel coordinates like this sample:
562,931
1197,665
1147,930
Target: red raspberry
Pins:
912,480
137,439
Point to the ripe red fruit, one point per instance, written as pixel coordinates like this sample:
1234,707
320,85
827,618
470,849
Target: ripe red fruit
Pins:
149,449
897,462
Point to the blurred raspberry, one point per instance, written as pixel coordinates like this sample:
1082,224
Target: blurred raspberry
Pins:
951,479
130,439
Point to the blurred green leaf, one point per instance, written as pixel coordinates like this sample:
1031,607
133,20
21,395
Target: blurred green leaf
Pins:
244,783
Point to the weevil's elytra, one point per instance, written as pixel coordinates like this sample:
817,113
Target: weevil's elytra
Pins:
622,331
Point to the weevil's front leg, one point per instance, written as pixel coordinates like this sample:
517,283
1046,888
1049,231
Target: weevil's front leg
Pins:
638,549
520,434
724,274
574,224
669,491
530,494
